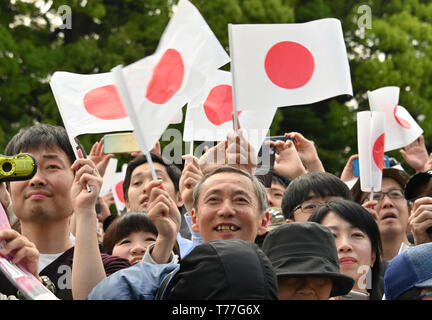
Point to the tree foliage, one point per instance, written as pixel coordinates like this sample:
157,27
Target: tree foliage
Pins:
395,51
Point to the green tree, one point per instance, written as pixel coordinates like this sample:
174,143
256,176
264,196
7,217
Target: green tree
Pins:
395,51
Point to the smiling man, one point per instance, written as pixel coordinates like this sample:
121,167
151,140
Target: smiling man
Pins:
229,203
44,205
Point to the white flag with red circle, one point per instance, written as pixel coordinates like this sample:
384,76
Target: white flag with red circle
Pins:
186,52
288,64
209,114
371,139
117,189
401,128
91,103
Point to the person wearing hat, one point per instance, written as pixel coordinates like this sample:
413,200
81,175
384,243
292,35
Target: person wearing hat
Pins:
222,269
418,191
306,263
390,210
409,274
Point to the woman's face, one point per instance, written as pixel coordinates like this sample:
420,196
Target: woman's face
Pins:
134,246
354,249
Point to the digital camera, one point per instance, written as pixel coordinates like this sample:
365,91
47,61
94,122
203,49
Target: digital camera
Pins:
21,166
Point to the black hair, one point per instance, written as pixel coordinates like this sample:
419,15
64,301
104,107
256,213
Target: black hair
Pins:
173,171
321,184
360,218
124,225
40,136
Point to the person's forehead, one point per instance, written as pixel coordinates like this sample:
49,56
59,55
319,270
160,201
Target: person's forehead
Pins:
277,185
390,183
236,180
49,153
146,170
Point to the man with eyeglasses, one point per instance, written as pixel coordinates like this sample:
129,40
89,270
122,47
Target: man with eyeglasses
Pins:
390,210
307,192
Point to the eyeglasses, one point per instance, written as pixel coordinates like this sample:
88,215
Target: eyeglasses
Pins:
394,194
309,207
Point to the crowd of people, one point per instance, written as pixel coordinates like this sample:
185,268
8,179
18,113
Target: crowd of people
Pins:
213,230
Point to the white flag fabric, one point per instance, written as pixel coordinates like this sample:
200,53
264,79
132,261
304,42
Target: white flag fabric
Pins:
89,103
288,64
117,188
401,128
108,177
208,115
371,140
187,51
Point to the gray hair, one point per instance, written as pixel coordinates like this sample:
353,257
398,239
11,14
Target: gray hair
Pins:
259,188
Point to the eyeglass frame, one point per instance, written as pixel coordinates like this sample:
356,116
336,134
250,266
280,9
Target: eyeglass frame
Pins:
385,194
319,204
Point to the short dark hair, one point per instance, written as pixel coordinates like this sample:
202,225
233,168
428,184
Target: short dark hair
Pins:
173,171
40,136
123,226
321,184
360,218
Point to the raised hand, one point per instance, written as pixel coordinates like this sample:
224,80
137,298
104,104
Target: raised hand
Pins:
191,175
415,154
307,152
287,161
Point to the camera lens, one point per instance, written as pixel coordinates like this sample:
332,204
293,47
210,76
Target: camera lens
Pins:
7,166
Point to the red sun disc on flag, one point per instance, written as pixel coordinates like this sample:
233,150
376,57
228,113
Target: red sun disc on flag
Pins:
167,77
378,151
289,65
401,121
219,104
119,191
105,103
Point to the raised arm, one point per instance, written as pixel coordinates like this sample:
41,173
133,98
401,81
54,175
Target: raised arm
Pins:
87,266
415,154
307,152
163,211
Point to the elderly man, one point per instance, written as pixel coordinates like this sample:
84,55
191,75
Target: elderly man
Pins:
228,203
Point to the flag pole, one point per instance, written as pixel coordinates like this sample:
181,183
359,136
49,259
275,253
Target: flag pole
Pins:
125,97
233,78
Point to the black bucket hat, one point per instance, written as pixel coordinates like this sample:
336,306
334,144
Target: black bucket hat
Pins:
224,269
306,249
417,181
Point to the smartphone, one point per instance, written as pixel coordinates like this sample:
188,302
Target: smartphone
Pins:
266,157
356,168
121,143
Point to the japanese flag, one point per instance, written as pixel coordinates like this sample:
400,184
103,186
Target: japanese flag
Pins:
288,64
186,52
371,140
401,128
117,188
91,103
208,115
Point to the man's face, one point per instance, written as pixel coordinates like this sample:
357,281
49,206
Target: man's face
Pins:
392,213
140,177
305,209
46,196
307,288
228,208
275,194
